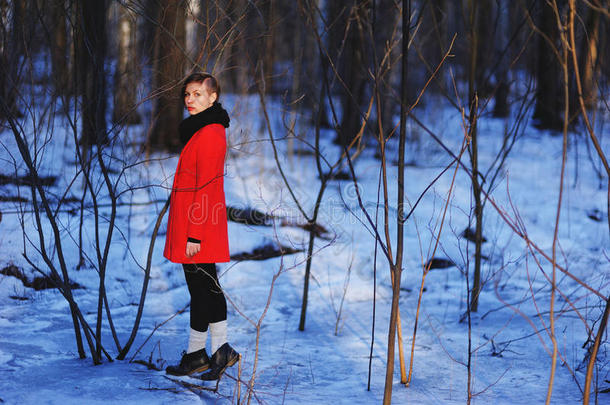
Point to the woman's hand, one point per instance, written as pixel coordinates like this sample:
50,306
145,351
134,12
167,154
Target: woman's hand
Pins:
192,249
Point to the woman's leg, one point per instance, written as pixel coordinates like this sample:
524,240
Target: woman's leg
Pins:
216,306
195,359
216,301
208,303
199,329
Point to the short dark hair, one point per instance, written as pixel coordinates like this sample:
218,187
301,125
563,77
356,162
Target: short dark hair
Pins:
200,77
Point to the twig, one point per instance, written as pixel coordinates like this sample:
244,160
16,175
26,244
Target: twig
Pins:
155,329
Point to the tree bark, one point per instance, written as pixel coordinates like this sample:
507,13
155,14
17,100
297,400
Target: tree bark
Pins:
386,14
59,47
126,75
432,36
485,25
10,50
353,69
588,59
548,108
147,28
397,268
239,81
501,107
169,62
473,86
310,81
92,50
269,44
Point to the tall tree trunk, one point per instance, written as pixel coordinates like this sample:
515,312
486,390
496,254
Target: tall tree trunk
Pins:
501,108
353,69
485,26
386,15
310,71
338,15
10,51
434,27
147,29
212,34
193,40
92,18
126,75
588,58
169,61
5,53
297,61
59,47
307,83
438,14
548,90
239,79
269,44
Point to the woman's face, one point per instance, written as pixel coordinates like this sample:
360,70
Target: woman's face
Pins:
197,98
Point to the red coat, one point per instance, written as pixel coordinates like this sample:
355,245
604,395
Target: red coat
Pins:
197,206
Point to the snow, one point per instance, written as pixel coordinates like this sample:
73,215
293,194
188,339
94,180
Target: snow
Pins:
38,356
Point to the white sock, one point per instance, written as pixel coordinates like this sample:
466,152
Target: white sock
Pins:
218,334
197,340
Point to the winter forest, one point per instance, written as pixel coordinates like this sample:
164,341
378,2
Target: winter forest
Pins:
417,195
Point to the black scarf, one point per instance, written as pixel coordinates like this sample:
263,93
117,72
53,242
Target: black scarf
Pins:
212,115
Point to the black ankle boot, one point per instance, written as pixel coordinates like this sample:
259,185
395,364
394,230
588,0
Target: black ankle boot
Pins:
190,363
224,358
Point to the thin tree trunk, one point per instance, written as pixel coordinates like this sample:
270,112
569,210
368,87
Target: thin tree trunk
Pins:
474,157
297,60
600,332
151,246
566,118
307,275
313,220
389,376
397,268
36,189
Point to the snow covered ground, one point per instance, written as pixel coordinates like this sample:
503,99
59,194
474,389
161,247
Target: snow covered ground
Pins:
510,362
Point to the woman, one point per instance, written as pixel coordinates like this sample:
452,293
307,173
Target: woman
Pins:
197,226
